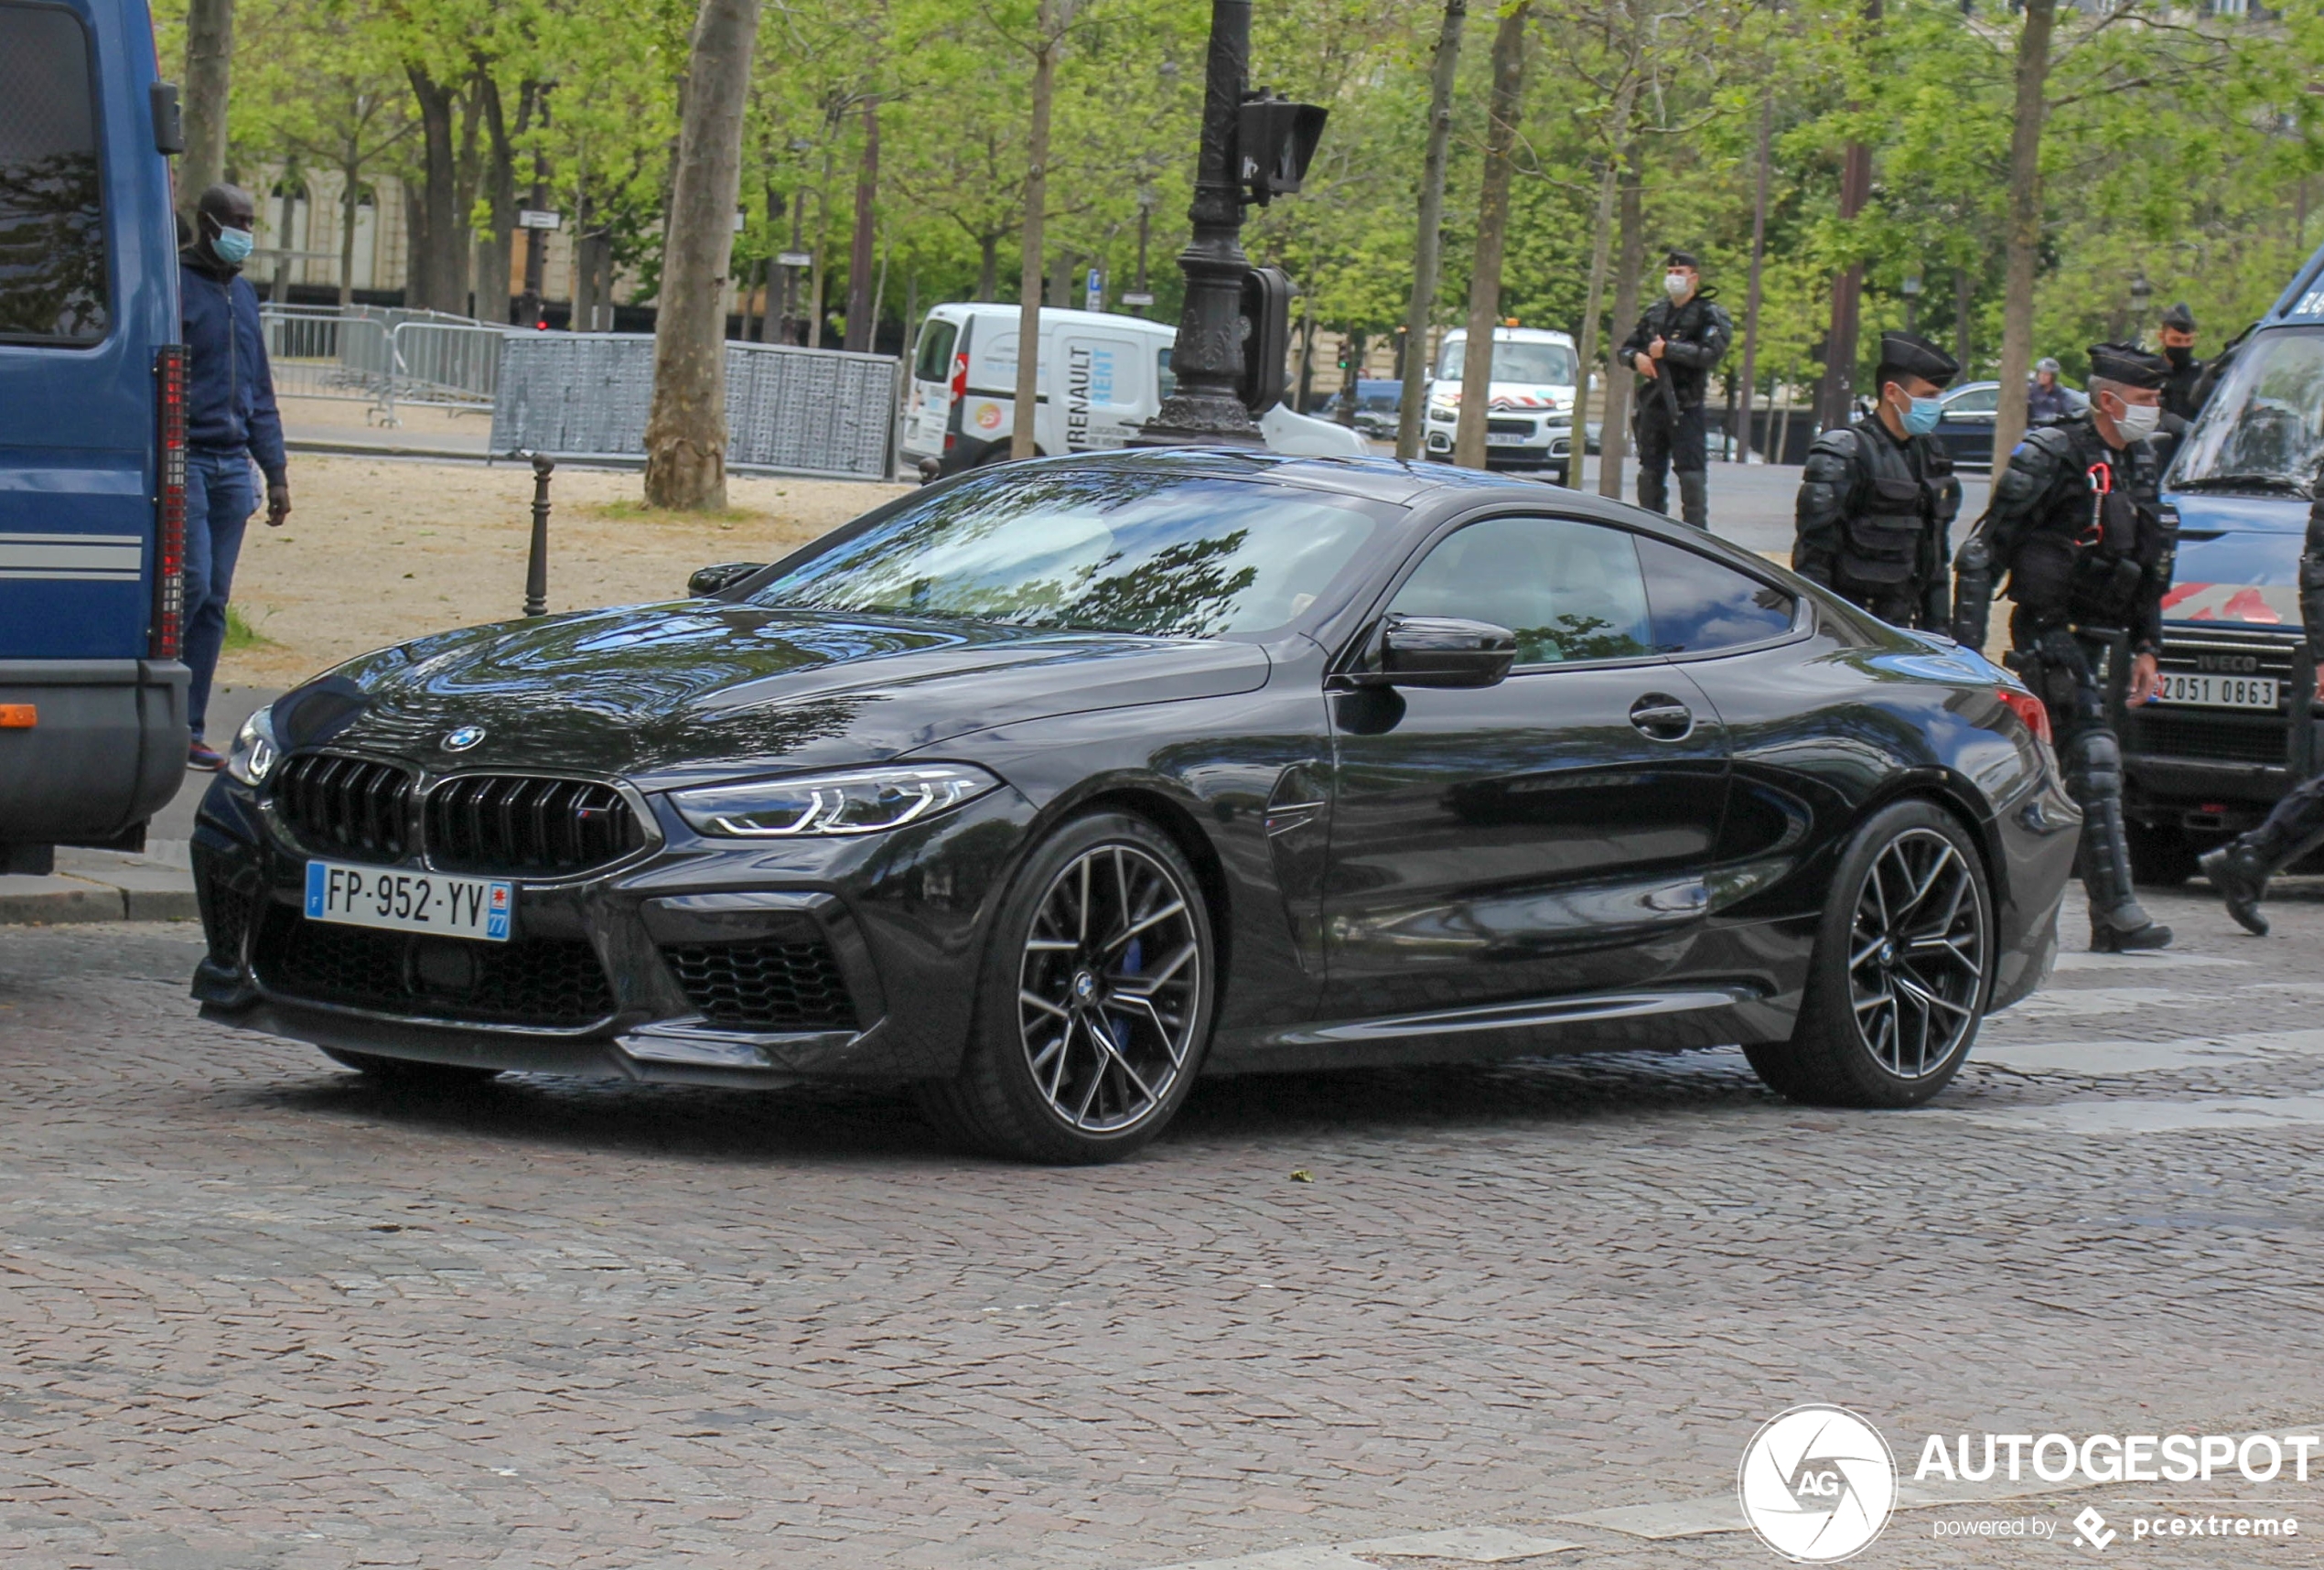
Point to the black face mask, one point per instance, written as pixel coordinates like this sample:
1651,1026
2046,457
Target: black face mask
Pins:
2179,357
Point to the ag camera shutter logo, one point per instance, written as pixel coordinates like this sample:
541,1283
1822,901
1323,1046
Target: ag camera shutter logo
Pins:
1817,1484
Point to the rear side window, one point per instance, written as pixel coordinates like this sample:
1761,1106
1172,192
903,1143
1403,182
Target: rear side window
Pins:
935,362
52,221
1700,605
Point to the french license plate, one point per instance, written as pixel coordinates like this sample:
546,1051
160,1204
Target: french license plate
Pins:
1510,439
2219,692
410,901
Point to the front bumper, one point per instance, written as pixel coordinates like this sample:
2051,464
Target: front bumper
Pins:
1545,447
693,961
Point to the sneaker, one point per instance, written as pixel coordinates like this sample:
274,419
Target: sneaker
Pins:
203,758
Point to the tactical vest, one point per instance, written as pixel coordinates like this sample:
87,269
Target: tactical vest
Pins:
2090,555
1888,516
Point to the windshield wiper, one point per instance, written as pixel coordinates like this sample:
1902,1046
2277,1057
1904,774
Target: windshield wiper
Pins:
2242,482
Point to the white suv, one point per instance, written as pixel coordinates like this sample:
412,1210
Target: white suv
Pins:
1530,422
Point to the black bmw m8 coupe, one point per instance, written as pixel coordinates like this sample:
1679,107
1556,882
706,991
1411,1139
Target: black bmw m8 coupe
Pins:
1047,788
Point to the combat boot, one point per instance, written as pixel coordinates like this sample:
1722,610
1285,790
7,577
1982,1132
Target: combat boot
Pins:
2118,923
2239,870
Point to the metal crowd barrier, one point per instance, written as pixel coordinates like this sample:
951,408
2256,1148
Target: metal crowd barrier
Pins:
382,357
789,409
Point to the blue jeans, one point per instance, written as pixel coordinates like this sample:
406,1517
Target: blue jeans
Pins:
221,493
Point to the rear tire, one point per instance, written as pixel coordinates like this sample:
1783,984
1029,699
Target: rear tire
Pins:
1094,1007
1902,972
408,1071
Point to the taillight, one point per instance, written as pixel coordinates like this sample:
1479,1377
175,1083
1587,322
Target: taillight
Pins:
960,376
2028,709
169,506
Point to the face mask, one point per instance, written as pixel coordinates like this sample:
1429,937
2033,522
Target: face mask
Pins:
2178,357
1922,417
232,246
2138,421
1677,285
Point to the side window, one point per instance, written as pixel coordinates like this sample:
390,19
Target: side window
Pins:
1165,378
1568,590
53,219
1701,605
935,362
1975,401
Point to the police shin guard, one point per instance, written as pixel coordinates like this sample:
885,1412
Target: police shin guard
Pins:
1653,490
1694,497
2117,922
2240,868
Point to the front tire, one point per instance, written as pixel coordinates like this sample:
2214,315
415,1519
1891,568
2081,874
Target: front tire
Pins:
1902,972
1095,1004
414,1073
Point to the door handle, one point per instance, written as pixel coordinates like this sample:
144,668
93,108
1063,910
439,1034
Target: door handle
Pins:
1662,716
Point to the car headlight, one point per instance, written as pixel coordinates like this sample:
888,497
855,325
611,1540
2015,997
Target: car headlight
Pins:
861,801
254,753
1442,412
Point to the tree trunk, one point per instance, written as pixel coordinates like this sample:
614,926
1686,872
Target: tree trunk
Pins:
438,271
1507,103
1961,321
2023,237
1351,344
1021,443
768,332
1602,232
1060,289
350,193
860,308
687,432
1429,241
494,248
209,54
988,266
1614,424
1752,292
1837,397
279,291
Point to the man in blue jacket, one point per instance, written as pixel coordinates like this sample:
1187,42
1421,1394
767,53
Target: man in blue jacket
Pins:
231,420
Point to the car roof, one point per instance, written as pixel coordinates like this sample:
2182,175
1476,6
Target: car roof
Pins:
964,311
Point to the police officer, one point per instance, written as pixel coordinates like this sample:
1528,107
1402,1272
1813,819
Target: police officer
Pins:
1878,498
2077,524
1673,349
2046,402
2177,333
2240,868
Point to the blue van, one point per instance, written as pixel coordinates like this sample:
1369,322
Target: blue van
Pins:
2236,722
92,695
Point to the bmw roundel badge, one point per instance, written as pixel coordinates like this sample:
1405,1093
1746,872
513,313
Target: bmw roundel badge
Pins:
462,738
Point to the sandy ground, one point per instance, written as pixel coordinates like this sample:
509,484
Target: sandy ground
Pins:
379,550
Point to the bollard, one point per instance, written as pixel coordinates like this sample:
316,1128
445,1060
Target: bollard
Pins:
536,569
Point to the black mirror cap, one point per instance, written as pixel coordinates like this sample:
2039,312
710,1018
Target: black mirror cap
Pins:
1445,651
707,581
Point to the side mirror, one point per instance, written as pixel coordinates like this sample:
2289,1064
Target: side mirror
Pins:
707,581
1444,651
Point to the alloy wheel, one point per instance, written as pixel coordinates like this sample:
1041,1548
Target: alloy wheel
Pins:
1916,954
1110,988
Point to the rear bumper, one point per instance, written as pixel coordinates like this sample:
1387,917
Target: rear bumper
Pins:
106,752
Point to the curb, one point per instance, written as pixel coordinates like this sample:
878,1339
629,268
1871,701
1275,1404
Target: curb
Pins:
62,901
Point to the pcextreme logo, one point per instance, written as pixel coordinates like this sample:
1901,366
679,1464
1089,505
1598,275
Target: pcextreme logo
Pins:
1817,1484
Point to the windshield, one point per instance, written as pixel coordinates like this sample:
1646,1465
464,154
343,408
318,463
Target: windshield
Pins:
2263,426
1105,550
1549,365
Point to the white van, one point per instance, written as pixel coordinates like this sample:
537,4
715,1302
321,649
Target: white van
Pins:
1114,370
1529,423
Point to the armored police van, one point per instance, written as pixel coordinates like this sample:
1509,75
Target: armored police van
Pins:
92,697
2236,722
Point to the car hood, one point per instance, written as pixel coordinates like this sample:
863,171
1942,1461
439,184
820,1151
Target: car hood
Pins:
2239,560
700,689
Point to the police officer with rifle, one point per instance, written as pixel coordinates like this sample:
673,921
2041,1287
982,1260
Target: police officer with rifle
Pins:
1673,348
1877,498
2240,869
2078,526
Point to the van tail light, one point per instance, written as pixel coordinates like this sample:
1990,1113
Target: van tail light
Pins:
960,376
2029,710
169,505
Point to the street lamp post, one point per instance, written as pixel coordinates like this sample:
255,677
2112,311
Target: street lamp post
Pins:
1205,406
1147,200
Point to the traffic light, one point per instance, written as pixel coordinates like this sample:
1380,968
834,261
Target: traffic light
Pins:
1274,139
1266,328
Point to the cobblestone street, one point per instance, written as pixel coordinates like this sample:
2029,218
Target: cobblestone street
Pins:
262,1313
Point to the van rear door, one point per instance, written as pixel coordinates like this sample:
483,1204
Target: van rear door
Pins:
930,404
77,383
1108,393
